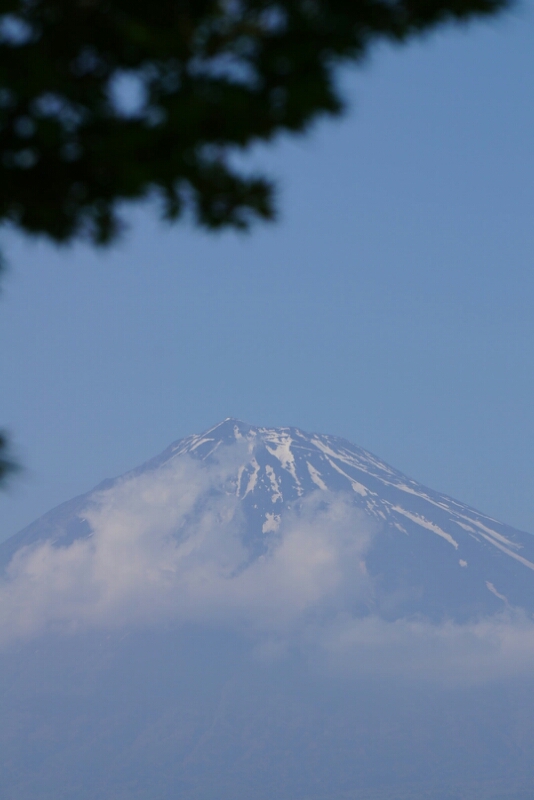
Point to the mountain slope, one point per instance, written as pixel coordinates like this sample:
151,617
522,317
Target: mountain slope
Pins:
261,613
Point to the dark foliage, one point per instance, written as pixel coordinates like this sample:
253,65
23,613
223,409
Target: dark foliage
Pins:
103,101
6,465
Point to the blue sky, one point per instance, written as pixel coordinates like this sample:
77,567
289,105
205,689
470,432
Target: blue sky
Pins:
391,303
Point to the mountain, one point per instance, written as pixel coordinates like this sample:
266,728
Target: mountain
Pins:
430,554
264,612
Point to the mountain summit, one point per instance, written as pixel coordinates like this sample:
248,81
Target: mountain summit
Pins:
428,554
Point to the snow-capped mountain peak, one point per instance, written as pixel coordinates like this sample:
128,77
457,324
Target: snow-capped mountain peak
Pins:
441,557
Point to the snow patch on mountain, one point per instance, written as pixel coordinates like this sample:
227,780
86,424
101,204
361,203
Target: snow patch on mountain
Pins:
316,477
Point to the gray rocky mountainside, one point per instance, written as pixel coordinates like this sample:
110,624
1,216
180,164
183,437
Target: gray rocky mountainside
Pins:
263,613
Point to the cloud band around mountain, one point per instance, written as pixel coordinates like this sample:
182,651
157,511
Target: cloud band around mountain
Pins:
171,547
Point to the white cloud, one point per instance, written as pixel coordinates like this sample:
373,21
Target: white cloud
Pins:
448,653
170,546
159,550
